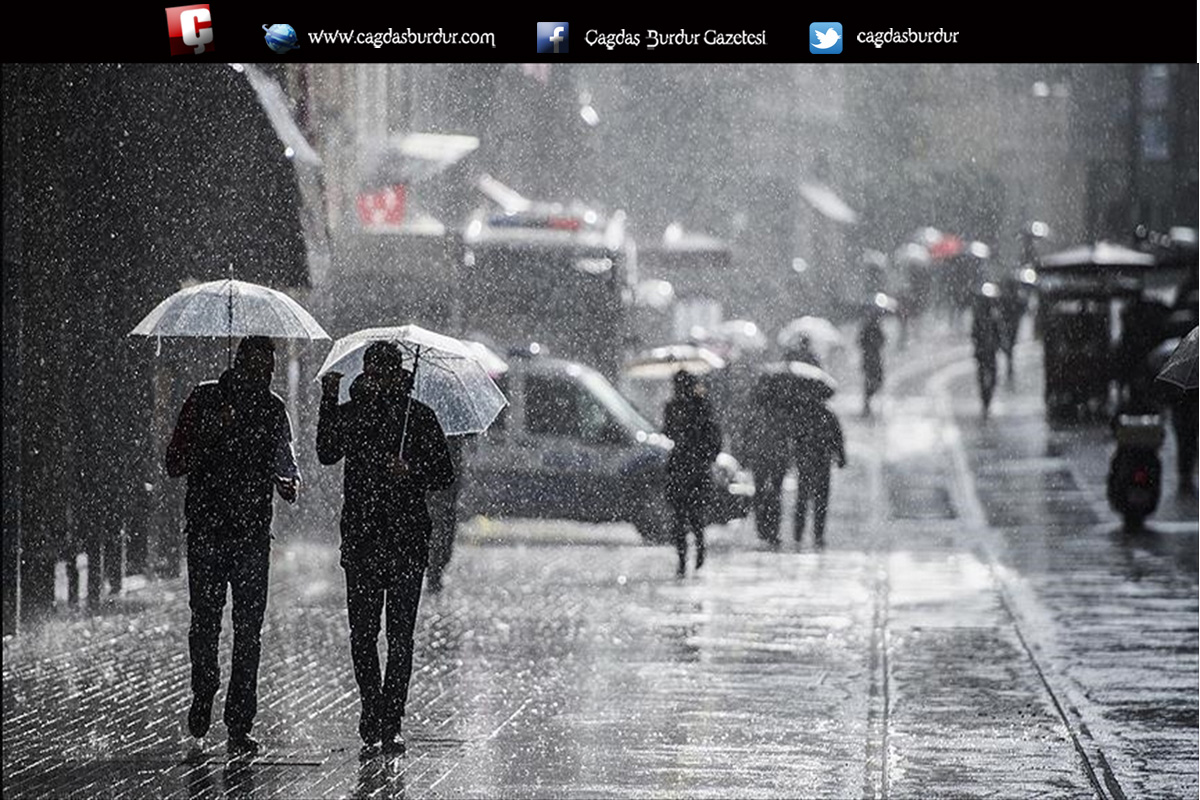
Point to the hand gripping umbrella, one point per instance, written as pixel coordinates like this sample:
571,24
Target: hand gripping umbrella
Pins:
448,375
229,308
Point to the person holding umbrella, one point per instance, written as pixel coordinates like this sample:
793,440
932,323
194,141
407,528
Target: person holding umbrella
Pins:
395,451
233,441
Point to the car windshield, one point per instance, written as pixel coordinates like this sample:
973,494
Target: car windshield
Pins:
621,409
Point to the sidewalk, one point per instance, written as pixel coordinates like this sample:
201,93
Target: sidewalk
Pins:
565,660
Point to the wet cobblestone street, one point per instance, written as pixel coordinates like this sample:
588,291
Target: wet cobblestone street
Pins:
976,627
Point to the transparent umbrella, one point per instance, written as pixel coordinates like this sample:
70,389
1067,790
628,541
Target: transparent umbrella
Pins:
229,308
1180,368
448,374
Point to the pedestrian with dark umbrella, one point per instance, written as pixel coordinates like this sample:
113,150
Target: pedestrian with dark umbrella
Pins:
688,421
233,441
396,452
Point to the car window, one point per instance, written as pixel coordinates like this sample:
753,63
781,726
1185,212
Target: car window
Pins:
561,407
551,407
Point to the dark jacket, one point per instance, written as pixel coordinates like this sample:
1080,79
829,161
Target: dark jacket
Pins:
689,423
818,438
383,511
231,440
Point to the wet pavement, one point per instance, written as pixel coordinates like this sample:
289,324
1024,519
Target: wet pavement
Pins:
977,626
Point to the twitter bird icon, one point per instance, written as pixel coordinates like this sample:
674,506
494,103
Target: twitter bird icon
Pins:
825,38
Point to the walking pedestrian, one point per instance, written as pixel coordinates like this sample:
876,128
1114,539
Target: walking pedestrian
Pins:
817,443
395,454
688,421
1012,309
233,441
769,456
871,340
985,336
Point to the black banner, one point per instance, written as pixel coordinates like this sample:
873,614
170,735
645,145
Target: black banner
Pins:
273,33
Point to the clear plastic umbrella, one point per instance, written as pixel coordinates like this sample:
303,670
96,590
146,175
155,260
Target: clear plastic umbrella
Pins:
1180,368
229,308
448,374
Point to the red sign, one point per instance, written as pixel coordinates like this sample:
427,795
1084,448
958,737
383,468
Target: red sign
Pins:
382,207
190,30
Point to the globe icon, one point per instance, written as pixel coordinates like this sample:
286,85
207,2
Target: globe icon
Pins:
281,38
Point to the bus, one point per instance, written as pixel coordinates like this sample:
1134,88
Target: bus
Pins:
558,277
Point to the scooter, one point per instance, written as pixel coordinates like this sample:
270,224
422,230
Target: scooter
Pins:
1135,471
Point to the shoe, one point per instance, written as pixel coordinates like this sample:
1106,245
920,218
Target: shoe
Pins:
393,744
200,716
241,745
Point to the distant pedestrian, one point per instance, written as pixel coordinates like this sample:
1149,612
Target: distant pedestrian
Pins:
688,421
443,516
871,340
769,455
817,443
985,336
395,453
1012,309
233,441
1185,423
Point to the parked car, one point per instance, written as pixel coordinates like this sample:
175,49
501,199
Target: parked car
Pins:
570,446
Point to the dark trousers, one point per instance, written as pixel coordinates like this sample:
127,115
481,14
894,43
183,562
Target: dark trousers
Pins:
688,517
812,486
369,591
242,563
768,490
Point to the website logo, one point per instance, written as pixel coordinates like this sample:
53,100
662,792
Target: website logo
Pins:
190,30
281,38
552,37
825,38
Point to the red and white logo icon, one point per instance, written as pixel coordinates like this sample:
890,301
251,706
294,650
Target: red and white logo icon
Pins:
190,29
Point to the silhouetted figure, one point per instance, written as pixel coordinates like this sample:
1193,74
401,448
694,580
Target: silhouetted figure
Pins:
769,455
817,443
395,453
689,423
443,515
871,340
233,441
985,336
1184,423
1012,309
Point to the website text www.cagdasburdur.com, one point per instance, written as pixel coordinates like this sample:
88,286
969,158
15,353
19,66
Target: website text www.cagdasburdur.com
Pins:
402,37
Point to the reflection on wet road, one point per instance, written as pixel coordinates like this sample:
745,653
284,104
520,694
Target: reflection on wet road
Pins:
975,627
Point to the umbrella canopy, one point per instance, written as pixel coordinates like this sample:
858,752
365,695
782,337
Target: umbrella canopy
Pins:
818,331
448,374
664,362
227,309
1096,257
230,308
1180,368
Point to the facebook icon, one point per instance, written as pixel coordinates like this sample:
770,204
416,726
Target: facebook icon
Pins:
552,37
